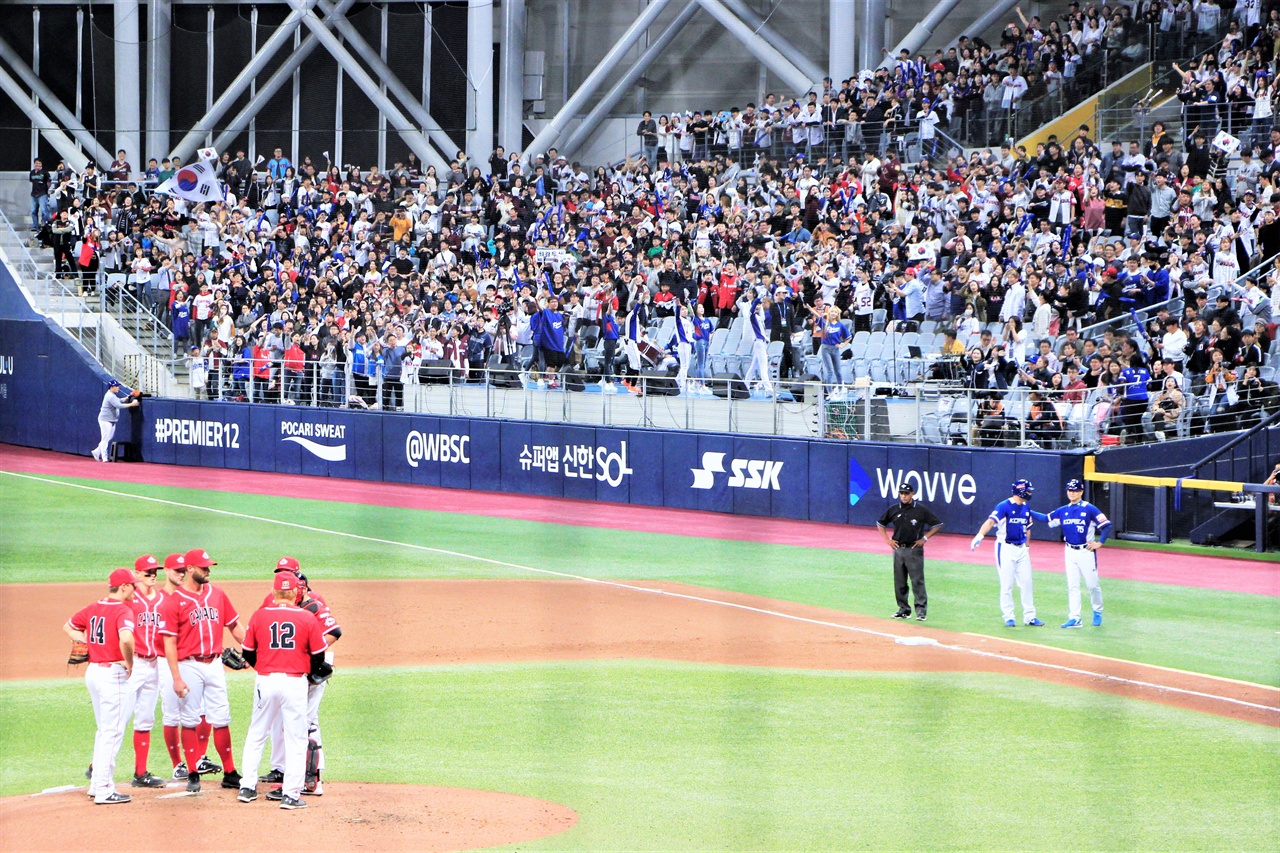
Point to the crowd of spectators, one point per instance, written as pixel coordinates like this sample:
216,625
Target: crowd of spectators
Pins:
309,273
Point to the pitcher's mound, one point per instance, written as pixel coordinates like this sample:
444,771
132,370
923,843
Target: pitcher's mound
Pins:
351,815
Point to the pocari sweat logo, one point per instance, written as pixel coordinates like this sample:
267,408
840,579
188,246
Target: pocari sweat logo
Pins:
302,434
744,473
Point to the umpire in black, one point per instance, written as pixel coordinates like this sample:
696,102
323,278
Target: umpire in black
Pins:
913,523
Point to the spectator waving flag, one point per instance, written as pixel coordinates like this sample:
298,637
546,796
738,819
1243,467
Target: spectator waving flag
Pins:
197,182
207,154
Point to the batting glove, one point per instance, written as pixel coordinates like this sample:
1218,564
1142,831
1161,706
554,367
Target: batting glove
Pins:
977,540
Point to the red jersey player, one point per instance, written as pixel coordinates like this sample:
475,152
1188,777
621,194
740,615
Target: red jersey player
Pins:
145,681
194,619
284,643
106,626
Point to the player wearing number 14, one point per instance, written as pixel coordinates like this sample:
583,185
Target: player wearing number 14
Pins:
284,643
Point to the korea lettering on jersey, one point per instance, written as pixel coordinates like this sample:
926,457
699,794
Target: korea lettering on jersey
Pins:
197,621
102,623
1013,522
147,622
1080,522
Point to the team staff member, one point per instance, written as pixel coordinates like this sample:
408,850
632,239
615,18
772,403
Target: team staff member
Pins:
194,619
106,627
1084,529
913,523
1012,519
107,417
148,648
284,643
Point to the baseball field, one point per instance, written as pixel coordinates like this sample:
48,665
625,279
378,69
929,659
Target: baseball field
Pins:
553,675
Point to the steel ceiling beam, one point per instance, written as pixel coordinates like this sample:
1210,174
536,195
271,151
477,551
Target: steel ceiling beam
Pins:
578,100
66,148
208,123
417,143
71,124
511,94
795,79
921,32
773,37
276,82
619,90
383,71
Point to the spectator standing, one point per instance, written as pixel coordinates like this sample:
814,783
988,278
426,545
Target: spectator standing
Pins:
39,178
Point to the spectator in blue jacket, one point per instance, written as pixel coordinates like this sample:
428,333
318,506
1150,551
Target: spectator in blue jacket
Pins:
392,362
549,338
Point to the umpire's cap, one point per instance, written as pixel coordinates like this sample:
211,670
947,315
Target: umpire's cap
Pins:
906,488
1075,485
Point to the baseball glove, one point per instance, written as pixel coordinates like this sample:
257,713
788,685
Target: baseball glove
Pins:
79,653
320,674
232,659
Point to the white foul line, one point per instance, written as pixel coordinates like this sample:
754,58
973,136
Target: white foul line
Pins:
651,591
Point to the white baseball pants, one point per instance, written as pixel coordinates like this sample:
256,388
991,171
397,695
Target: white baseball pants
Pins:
759,366
315,692
1082,563
279,706
112,698
146,685
108,430
207,694
684,352
1013,562
169,710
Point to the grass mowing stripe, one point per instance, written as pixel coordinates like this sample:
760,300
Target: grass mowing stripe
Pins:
650,591
659,755
51,536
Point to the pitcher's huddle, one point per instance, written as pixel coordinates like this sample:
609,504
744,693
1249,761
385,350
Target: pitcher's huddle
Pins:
147,639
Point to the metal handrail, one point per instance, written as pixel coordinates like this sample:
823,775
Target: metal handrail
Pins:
1145,313
1273,418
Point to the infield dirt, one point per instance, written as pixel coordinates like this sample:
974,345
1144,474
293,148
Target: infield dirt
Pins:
497,621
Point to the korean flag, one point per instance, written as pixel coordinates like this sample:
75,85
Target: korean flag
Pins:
196,182
206,154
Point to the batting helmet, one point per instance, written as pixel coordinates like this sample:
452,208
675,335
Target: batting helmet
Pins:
1022,489
1075,485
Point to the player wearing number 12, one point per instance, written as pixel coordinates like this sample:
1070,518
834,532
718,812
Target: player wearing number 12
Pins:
284,643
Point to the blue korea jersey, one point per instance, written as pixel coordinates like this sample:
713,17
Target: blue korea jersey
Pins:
1081,523
1013,522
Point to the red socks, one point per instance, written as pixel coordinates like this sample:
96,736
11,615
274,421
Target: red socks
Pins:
202,732
192,749
222,740
171,744
141,746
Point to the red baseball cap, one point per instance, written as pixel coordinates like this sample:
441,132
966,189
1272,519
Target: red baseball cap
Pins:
175,561
146,563
286,582
120,577
288,564
199,558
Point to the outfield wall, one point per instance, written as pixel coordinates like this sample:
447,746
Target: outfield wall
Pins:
50,391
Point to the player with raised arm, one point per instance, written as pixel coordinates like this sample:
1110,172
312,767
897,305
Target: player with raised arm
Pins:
1084,529
1012,519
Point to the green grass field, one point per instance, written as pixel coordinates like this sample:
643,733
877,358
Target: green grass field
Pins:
659,755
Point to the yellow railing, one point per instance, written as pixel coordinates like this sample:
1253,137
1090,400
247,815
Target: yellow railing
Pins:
1091,474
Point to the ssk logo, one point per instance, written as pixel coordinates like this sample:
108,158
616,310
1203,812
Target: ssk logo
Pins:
301,433
744,473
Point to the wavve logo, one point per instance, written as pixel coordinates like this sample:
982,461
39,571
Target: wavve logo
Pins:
859,482
744,473
302,433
